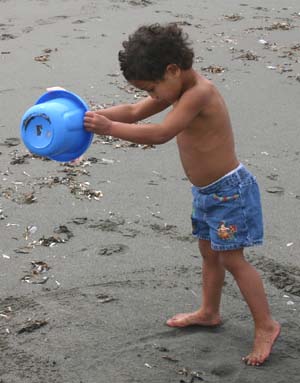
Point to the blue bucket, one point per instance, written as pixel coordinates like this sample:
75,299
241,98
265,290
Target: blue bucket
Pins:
53,127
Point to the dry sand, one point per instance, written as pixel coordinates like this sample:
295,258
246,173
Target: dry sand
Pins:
122,263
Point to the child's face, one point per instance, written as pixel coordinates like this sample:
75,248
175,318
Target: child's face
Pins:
168,89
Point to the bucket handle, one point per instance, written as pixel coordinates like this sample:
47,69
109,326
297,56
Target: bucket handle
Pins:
31,117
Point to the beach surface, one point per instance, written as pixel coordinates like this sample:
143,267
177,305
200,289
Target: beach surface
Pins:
95,257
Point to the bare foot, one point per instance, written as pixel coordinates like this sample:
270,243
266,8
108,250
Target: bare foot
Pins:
191,319
263,343
77,161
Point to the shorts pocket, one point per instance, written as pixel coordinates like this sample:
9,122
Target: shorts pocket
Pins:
225,197
195,226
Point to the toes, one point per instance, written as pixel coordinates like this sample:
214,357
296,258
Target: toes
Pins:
171,322
246,358
251,360
175,320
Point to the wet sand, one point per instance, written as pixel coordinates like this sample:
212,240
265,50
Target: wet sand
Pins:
95,257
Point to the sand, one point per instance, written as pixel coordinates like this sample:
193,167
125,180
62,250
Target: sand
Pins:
95,257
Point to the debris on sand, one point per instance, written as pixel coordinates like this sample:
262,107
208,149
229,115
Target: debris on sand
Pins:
112,249
50,241
78,189
24,250
32,325
11,141
63,229
42,58
61,234
45,56
214,69
283,26
104,298
83,189
7,36
28,198
275,190
31,278
2,215
191,375
248,55
39,267
6,313
233,17
18,159
35,277
263,42
29,231
170,358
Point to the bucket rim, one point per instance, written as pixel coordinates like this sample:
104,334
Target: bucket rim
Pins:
53,94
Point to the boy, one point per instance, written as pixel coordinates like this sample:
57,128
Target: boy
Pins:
226,213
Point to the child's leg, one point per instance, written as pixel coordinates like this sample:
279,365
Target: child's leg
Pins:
251,286
213,274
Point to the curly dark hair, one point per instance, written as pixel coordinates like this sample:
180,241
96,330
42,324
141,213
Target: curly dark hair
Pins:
151,48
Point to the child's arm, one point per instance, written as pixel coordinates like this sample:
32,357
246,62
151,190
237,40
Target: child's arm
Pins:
130,113
187,108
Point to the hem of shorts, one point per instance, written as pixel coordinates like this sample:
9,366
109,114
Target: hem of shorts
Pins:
201,237
235,246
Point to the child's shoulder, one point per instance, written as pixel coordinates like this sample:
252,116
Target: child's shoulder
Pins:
200,93
203,86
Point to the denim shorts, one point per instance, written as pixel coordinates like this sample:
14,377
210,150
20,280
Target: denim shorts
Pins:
228,212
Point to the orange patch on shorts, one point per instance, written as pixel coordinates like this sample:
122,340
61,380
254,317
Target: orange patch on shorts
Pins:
225,232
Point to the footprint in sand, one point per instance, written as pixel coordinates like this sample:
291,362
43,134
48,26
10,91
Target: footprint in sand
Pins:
283,277
7,36
223,370
112,249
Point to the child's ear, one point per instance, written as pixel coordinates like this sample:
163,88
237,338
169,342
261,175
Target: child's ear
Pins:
173,70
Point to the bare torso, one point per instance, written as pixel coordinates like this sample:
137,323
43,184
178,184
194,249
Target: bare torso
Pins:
206,147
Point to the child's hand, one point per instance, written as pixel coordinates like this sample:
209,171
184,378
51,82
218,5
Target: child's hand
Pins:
94,122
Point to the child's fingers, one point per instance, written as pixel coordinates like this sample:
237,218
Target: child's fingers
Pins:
89,114
88,118
88,122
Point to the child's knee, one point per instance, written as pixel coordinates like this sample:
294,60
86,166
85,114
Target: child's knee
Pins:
233,260
206,251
